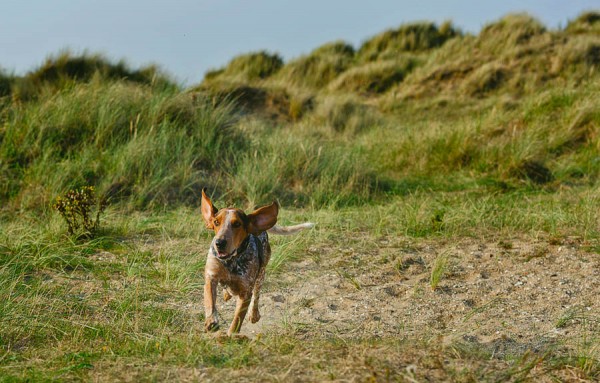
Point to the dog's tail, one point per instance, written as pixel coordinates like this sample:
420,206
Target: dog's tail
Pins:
289,230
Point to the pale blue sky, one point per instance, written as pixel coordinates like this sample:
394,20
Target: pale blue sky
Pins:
188,37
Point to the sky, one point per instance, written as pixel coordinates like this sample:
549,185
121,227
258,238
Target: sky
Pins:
188,37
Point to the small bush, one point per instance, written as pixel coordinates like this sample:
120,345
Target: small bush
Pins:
81,211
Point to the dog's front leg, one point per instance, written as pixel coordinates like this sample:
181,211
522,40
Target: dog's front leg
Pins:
241,309
210,307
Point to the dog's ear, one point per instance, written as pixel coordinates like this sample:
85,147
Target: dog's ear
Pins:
208,211
263,218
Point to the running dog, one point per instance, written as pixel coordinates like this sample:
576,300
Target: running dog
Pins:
238,257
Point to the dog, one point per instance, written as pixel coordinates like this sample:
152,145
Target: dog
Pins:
238,257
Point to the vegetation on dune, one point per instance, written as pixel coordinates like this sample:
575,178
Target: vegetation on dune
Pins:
248,67
66,68
587,22
413,37
319,68
419,139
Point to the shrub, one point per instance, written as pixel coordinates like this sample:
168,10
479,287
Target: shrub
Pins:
81,211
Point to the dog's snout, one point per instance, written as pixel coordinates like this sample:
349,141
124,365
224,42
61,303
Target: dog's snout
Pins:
221,243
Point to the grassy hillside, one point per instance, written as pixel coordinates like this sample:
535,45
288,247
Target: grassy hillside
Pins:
453,177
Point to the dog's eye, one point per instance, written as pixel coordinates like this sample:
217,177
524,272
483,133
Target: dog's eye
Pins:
236,224
216,222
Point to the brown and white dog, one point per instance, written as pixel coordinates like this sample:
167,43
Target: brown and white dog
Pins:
238,257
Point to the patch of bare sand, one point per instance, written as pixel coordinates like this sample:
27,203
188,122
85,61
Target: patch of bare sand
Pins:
504,297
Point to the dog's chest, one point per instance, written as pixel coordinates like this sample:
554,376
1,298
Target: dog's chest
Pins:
247,264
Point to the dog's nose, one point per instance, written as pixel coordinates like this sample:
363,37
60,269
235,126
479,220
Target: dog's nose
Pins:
221,243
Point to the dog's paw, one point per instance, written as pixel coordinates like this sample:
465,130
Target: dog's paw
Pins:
226,295
254,316
211,325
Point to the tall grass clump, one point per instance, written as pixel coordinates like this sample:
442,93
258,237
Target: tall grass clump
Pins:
375,77
318,68
60,70
345,114
509,32
586,23
126,139
413,37
302,170
248,67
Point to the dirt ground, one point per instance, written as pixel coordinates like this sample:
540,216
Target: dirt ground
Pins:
503,297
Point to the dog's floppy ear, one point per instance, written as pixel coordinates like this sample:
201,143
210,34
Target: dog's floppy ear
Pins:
208,211
263,218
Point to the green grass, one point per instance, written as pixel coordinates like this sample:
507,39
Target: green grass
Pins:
420,143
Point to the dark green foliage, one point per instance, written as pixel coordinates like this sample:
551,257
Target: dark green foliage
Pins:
5,83
535,171
412,37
